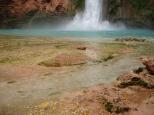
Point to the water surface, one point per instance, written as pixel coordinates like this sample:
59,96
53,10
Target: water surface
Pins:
139,33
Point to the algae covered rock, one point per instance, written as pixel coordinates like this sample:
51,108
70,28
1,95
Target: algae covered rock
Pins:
65,59
114,107
135,81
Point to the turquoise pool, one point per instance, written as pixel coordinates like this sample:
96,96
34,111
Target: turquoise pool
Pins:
140,33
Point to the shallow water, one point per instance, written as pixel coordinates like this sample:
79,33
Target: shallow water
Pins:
140,33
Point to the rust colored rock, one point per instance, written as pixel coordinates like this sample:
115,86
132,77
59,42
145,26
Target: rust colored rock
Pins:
20,8
149,63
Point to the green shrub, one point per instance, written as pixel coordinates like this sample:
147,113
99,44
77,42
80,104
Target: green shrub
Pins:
79,4
108,107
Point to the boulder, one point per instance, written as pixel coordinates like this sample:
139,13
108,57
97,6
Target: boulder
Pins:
149,63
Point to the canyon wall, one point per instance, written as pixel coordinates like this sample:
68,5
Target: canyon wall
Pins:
21,12
20,8
131,12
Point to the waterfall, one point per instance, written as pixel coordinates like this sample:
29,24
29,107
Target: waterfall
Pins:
92,15
91,18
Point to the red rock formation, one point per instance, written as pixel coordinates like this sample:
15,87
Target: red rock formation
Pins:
20,8
149,63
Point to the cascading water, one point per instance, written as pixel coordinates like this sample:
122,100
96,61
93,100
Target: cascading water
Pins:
91,18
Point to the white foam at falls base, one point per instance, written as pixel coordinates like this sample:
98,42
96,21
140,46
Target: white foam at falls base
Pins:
91,18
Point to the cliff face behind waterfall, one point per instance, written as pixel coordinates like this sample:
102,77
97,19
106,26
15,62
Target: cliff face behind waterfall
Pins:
139,12
17,12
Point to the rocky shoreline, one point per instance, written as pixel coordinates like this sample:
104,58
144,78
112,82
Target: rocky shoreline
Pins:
69,76
132,93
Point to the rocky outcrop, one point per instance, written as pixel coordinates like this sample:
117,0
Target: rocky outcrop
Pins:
23,13
132,94
140,77
149,63
20,8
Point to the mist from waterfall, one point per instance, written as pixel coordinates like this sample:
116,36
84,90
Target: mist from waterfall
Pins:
91,18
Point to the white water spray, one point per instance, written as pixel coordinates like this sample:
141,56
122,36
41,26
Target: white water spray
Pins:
91,18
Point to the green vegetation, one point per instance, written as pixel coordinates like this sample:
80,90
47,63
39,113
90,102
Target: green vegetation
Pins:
9,60
6,60
108,106
113,7
113,107
79,4
139,4
141,12
65,59
135,81
112,50
108,57
146,49
15,50
143,7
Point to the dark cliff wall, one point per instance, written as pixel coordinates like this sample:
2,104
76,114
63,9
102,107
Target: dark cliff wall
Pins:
133,12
